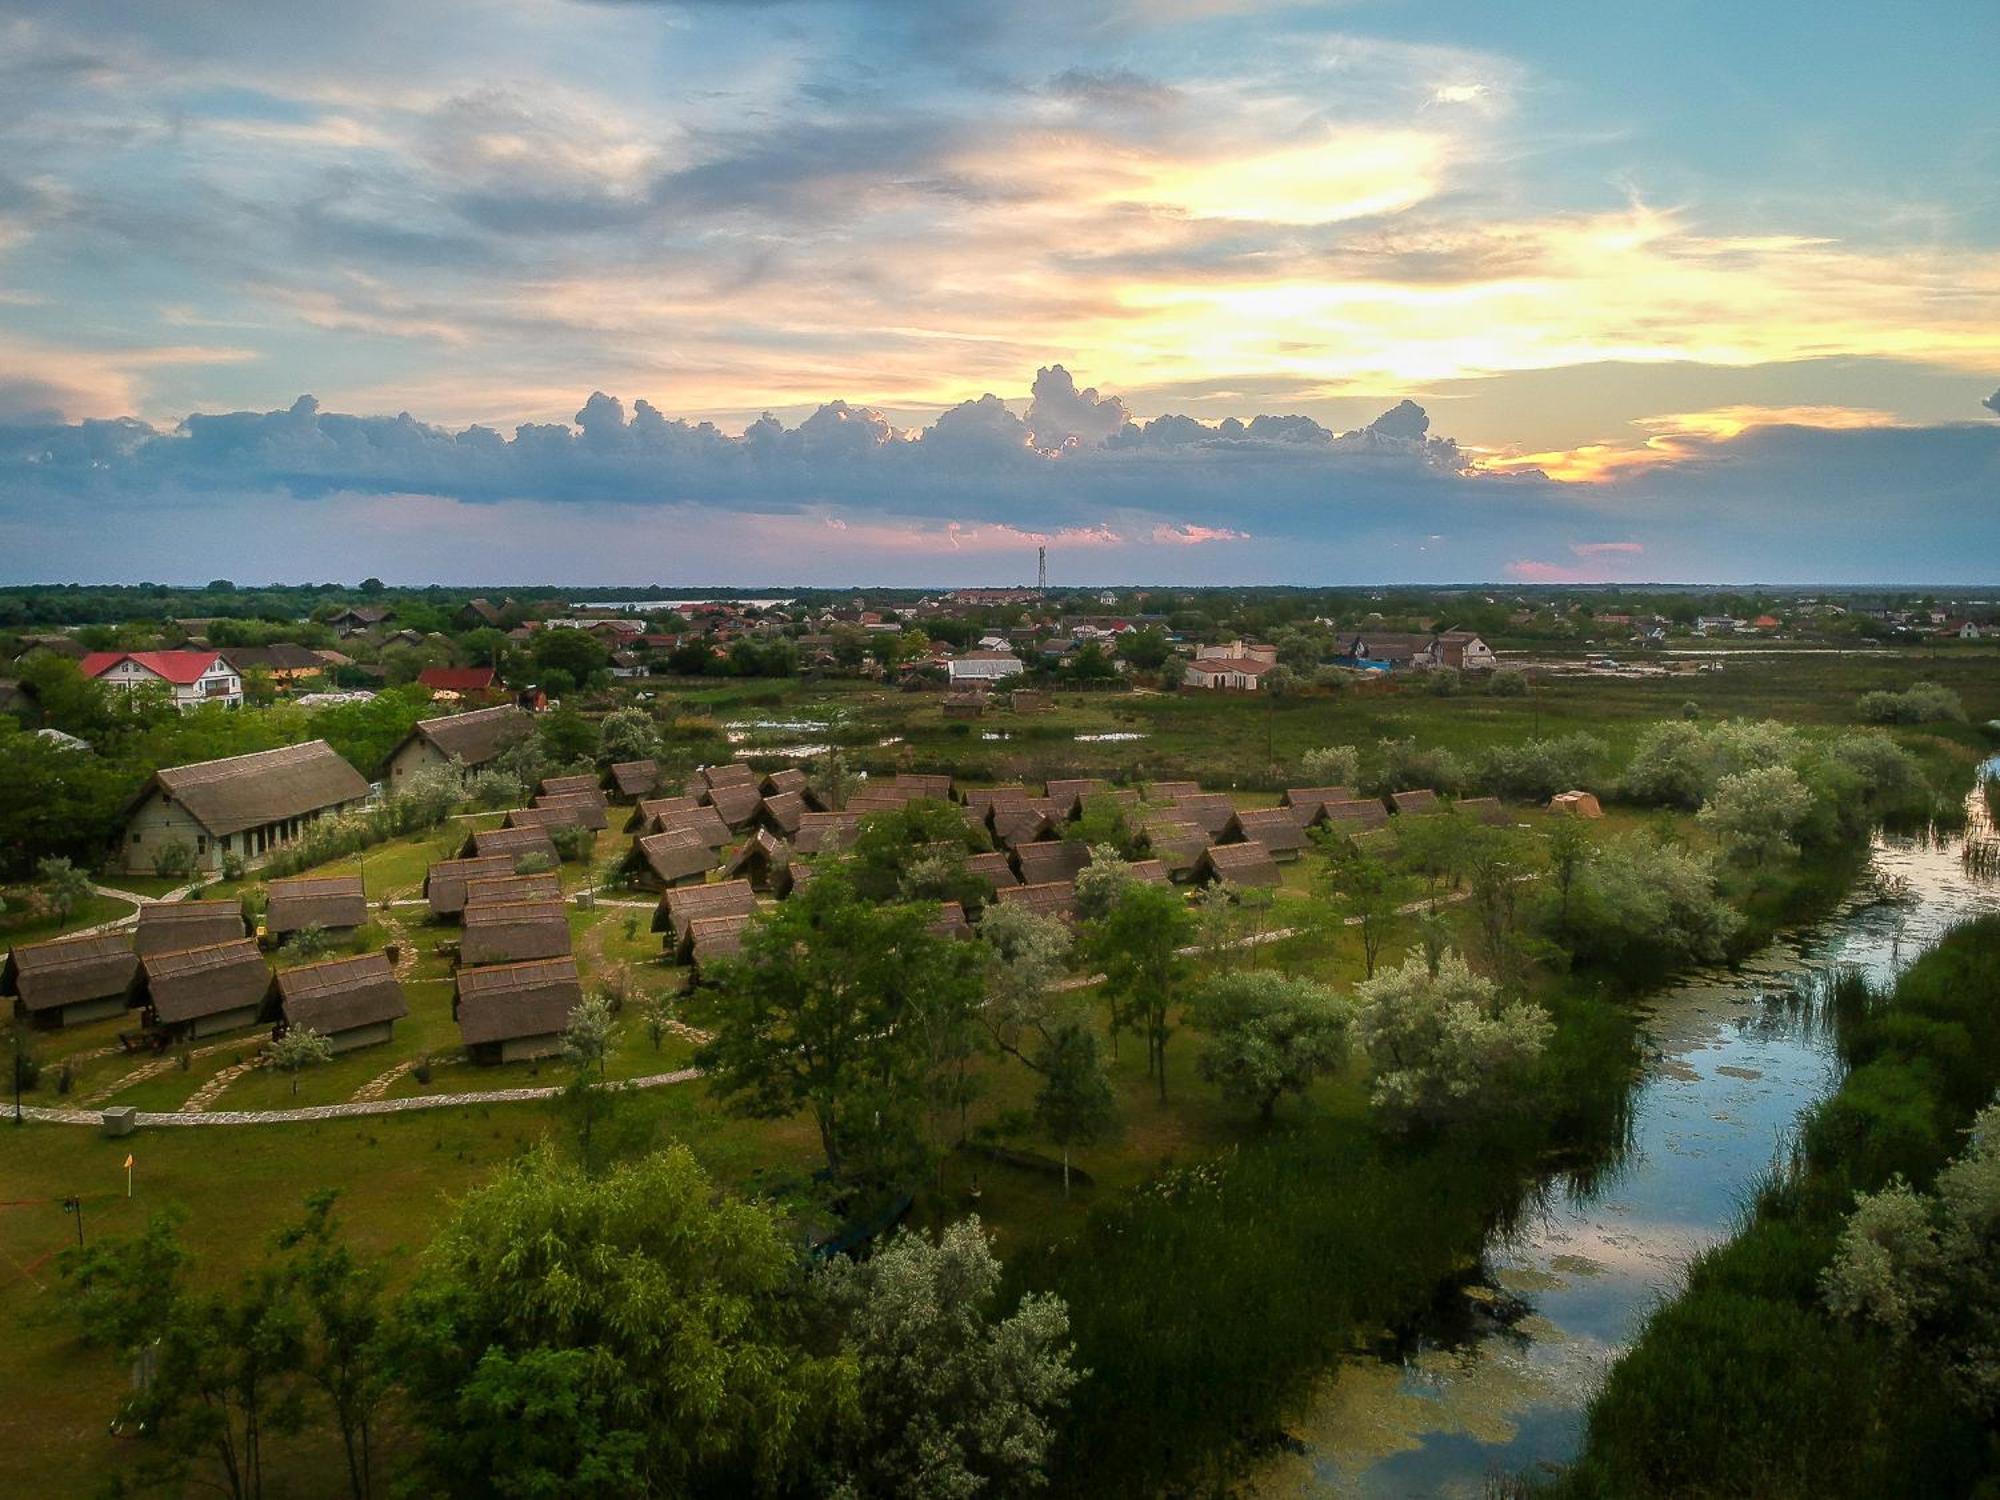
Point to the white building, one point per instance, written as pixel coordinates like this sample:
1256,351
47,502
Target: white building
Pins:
984,666
192,678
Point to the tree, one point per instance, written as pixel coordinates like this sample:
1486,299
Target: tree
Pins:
808,1016
954,1402
219,1363
634,1332
1103,821
1569,853
1331,765
1921,1268
1269,1035
1362,892
346,1335
658,1017
1757,813
1027,954
1100,883
64,887
1444,1045
566,736
1147,650
577,652
1075,1105
1137,943
917,852
305,945
586,1040
298,1049
628,734
1635,898
831,780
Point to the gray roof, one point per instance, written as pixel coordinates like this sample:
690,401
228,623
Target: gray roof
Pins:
569,786
501,1002
673,854
683,904
330,901
502,932
1045,862
635,778
194,982
167,925
1242,864
513,842
445,881
246,791
476,737
1276,828
45,976
341,994
485,889
1055,898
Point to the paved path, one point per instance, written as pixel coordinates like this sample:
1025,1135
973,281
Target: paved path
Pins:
350,1110
131,917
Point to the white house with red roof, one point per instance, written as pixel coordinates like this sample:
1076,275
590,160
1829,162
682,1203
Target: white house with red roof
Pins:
192,678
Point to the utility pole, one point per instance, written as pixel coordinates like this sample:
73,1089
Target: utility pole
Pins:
17,1071
74,1205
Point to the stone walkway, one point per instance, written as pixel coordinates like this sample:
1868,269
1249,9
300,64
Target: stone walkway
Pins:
199,1101
351,1110
165,1063
378,1087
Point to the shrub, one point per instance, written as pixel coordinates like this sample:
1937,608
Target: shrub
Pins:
1757,813
1331,765
174,860
1920,703
1508,682
1444,1045
1403,765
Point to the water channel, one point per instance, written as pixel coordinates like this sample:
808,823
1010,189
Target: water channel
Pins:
1732,1057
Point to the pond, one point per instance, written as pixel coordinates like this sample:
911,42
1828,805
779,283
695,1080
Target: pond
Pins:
1499,1384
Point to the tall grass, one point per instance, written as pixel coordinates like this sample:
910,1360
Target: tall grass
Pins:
1745,1384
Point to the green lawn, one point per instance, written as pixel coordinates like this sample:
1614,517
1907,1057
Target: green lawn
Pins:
20,922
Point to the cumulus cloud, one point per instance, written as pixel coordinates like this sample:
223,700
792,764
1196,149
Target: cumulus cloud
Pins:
1061,415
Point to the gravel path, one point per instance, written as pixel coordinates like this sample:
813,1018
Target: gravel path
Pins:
351,1110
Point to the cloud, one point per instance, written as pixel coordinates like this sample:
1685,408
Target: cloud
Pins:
1605,549
1187,535
1061,415
1992,403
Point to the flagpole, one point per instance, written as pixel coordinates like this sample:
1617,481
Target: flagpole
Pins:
128,1174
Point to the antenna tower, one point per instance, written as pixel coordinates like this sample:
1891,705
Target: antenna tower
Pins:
1041,570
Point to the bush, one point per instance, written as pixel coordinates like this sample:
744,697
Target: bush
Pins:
1508,682
1403,765
1921,703
174,860
1535,770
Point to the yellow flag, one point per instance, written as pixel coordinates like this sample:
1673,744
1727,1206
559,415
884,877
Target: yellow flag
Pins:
128,1161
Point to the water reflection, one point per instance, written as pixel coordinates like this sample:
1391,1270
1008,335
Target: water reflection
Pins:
1497,1382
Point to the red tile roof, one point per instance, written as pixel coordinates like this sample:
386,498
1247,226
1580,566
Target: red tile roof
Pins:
182,667
457,679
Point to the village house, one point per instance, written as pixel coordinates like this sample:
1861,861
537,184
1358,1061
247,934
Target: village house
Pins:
515,1012
197,992
1238,864
459,682
283,662
165,926
1464,650
1233,665
446,882
243,806
71,980
680,908
505,932
674,856
352,1002
332,903
359,619
984,667
469,739
191,678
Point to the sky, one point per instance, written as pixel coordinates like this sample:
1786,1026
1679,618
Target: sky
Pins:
868,291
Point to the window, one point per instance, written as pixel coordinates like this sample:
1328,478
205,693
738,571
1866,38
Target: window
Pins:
201,843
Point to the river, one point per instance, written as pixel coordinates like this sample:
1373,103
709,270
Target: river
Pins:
1500,1383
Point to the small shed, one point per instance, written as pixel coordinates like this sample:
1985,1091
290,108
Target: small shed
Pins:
1357,815
994,868
934,785
446,881
1058,860
633,779
950,921
649,810
1239,864
790,779
1486,809
681,906
1306,802
583,809
71,980
1423,800
711,938
758,860
352,1002
567,786
962,705
1056,898
200,991
737,773
507,932
1273,827
1176,845
166,926
487,889
826,832
514,1012
1017,824
704,822
1210,812
1068,794
335,903
516,844
1029,701
1576,804
783,812
672,857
